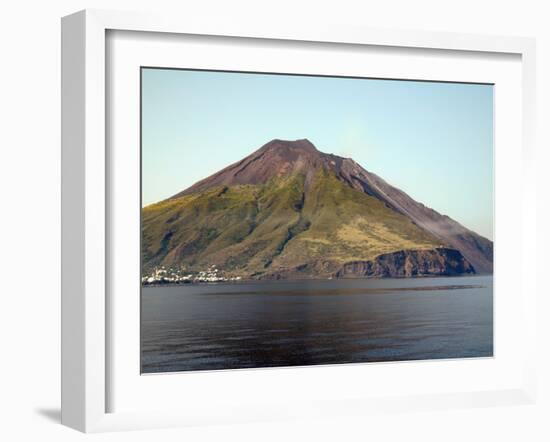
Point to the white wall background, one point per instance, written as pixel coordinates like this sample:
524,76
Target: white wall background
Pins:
30,219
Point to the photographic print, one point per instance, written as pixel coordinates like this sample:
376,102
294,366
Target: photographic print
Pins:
297,220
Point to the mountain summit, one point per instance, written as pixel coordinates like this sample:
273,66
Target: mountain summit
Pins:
290,211
276,159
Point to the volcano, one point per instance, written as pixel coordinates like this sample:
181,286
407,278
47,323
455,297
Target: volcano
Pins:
289,211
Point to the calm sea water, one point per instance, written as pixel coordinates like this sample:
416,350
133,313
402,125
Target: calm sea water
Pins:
273,324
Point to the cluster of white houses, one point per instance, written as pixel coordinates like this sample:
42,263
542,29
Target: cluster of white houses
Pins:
162,275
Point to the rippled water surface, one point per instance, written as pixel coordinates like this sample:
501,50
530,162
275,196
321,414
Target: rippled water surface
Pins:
273,324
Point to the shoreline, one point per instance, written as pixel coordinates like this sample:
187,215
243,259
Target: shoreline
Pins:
315,280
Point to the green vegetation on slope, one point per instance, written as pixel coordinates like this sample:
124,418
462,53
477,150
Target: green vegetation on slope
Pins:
283,225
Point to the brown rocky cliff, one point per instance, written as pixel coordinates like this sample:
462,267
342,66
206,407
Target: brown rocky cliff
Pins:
409,263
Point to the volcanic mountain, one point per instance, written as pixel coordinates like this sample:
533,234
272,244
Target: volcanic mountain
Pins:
290,211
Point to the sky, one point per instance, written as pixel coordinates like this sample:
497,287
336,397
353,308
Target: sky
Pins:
432,140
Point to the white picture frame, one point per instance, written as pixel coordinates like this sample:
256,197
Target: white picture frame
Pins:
85,209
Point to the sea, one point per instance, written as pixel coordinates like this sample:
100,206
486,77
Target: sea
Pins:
223,326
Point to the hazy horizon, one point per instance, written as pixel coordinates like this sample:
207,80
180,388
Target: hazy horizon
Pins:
432,140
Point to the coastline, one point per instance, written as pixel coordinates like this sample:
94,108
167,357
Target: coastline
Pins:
316,280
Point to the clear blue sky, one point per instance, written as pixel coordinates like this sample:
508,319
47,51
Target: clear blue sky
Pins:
431,140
